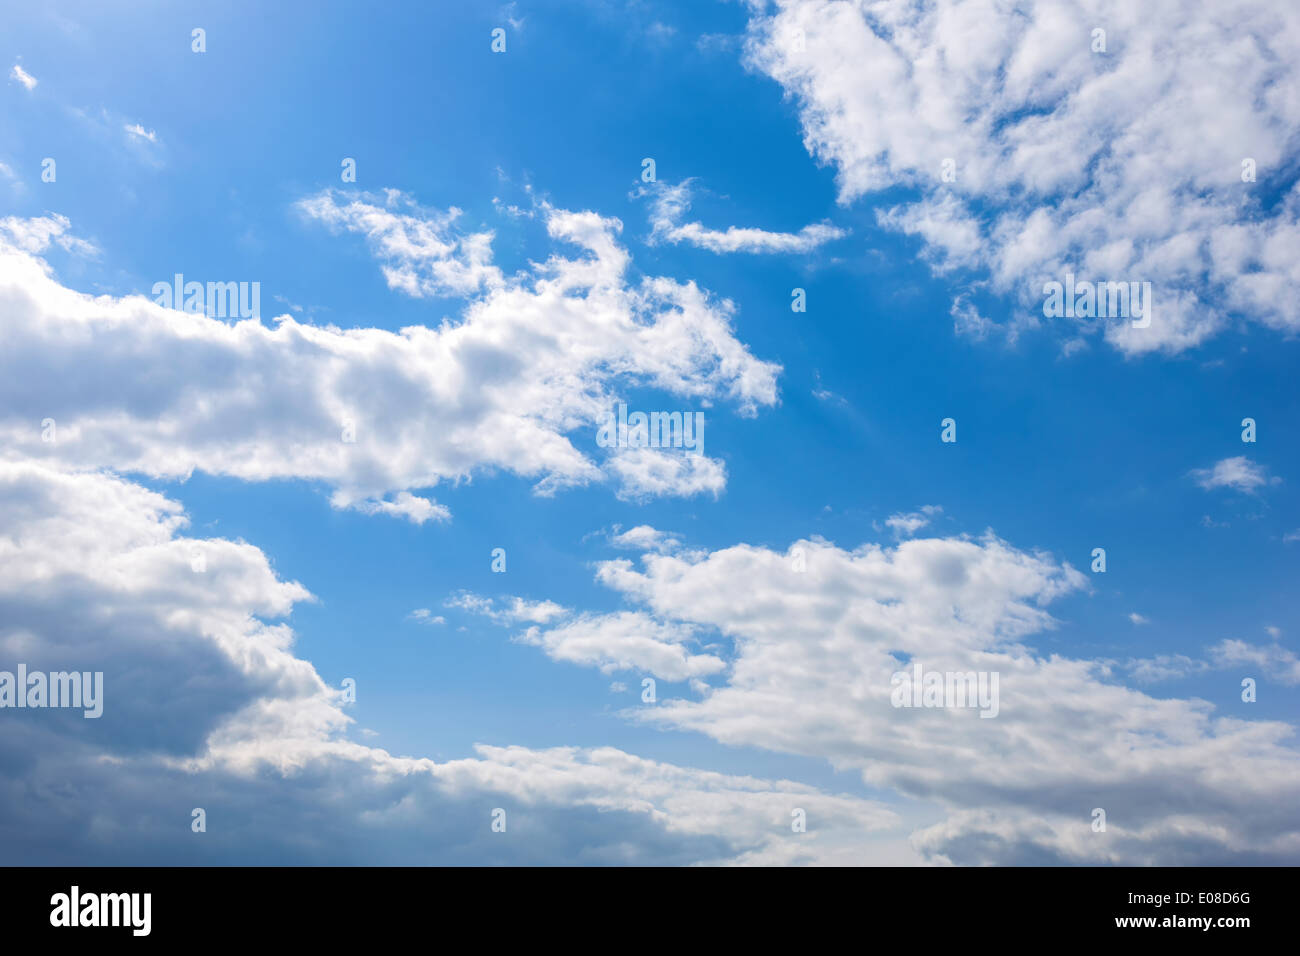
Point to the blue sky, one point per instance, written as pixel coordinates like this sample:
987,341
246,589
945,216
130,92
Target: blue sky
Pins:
1071,435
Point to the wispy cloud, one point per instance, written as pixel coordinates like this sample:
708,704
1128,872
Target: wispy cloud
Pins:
644,538
23,77
669,205
1274,662
139,132
423,615
515,610
904,525
1239,474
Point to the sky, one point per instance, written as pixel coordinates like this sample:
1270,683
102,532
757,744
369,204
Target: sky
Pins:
366,586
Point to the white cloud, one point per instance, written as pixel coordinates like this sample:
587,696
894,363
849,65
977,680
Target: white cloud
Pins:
1164,667
669,204
520,383
809,673
653,472
205,703
967,320
415,509
1125,165
421,251
423,615
1137,618
1239,474
511,14
23,77
658,32
139,132
36,235
906,525
645,538
517,609
626,641
1276,662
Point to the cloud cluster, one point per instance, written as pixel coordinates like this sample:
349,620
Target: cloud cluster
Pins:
1160,149
519,383
811,638
206,705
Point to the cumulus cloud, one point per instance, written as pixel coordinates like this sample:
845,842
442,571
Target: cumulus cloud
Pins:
1125,165
669,205
652,472
205,704
520,383
809,657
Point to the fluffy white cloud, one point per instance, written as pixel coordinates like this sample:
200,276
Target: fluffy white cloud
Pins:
669,205
1123,165
651,472
205,704
520,383
36,235
813,651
